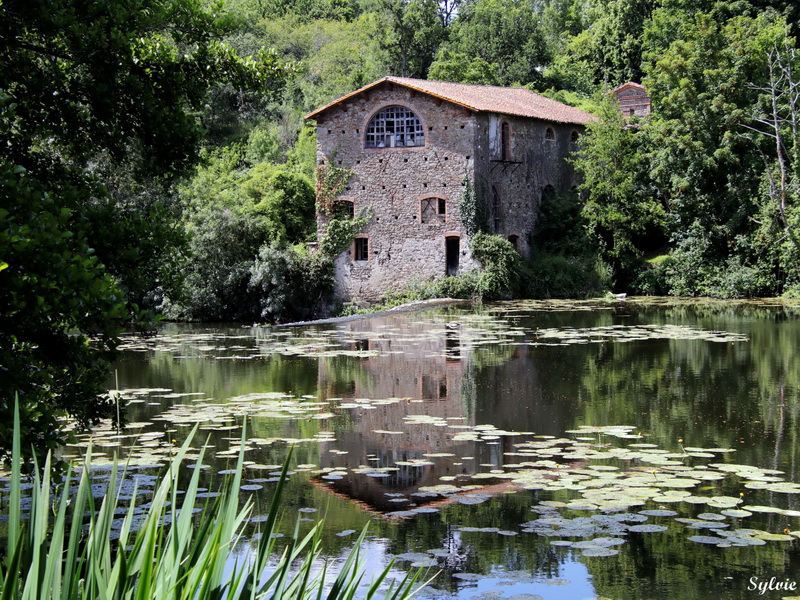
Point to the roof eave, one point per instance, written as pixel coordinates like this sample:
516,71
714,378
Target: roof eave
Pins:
390,79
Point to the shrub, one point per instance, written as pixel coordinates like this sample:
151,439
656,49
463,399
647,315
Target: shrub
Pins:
291,282
499,276
557,276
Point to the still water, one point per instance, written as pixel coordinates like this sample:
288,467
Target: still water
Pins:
539,449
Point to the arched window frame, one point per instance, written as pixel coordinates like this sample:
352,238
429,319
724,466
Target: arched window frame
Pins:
549,135
394,126
344,207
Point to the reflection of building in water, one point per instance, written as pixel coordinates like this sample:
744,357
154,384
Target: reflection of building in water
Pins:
424,371
433,370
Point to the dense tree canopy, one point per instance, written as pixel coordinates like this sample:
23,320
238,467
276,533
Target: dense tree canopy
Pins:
89,88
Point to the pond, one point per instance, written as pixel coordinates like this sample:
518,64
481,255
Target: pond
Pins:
629,450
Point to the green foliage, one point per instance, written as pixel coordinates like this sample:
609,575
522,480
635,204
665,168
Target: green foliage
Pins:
340,232
93,93
564,276
54,294
232,213
473,208
564,261
450,65
291,282
263,145
55,558
303,156
331,181
412,32
621,206
499,276
503,34
612,44
338,57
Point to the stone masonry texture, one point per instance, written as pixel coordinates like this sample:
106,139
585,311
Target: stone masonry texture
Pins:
405,245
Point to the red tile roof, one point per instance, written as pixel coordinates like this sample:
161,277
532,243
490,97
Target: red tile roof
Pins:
481,98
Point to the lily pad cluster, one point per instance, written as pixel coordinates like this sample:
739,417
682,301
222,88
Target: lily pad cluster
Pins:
357,340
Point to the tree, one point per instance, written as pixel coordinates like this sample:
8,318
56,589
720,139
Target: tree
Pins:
460,68
503,33
412,33
90,87
703,156
622,209
613,42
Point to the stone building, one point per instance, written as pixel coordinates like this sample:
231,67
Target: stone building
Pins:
415,147
633,100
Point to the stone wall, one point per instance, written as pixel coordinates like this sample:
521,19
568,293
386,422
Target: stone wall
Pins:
402,245
536,159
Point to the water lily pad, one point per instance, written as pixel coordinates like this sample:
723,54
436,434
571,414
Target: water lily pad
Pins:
647,528
599,551
706,539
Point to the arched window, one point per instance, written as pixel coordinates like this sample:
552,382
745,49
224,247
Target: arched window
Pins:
573,138
550,134
505,141
548,193
394,127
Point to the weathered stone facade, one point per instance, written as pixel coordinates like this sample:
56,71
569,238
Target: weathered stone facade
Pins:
414,193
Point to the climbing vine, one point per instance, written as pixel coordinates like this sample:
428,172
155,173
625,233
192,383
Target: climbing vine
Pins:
331,182
341,231
472,207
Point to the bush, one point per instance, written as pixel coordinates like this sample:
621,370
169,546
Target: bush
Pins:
500,275
556,276
291,283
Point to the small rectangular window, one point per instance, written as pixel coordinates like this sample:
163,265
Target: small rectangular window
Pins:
361,249
432,210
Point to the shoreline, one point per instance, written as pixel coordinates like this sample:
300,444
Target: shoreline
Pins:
403,308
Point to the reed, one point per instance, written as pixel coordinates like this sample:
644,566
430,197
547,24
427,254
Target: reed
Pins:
66,548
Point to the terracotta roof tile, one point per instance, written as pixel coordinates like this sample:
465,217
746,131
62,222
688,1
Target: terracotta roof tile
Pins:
483,98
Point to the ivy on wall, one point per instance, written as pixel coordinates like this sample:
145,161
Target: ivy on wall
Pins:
474,212
341,232
331,182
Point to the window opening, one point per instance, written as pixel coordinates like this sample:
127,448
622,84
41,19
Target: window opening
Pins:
361,249
505,142
495,209
432,210
394,127
343,209
548,193
514,239
574,137
550,135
